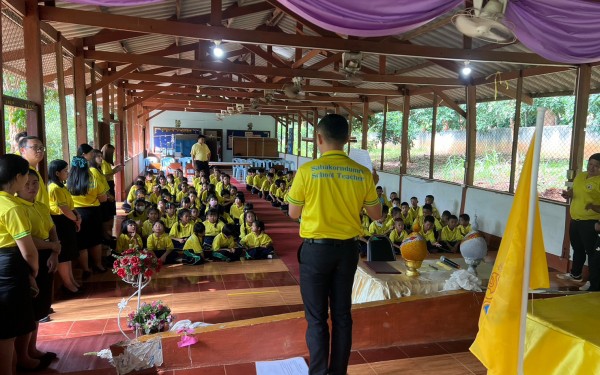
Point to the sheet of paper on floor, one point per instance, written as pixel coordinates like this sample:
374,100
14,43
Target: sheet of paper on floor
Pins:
291,366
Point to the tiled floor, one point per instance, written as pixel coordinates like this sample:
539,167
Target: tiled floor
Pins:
223,292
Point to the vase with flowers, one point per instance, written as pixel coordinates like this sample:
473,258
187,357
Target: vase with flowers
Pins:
136,267
150,318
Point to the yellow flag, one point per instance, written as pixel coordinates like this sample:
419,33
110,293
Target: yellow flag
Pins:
497,342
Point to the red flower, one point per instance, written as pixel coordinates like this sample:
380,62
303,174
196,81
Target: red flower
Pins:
124,261
121,273
135,270
148,273
135,260
116,264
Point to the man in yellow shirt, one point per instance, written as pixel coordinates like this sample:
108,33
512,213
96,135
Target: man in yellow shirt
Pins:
32,149
201,155
330,193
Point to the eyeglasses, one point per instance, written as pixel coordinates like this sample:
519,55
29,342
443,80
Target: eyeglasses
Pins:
37,148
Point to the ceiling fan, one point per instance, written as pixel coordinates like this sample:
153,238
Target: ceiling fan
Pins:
485,22
294,90
351,65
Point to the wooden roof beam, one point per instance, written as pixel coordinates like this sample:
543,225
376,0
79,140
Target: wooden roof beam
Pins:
106,80
258,70
183,80
173,28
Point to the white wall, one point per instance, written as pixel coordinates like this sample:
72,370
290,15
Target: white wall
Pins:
447,196
209,121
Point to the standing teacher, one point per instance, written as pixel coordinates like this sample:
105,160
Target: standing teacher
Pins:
585,213
330,193
201,155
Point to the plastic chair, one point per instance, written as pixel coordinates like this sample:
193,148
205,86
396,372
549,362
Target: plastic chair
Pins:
166,161
148,163
379,248
188,166
290,165
171,168
239,171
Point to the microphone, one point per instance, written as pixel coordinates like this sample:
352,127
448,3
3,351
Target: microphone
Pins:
449,262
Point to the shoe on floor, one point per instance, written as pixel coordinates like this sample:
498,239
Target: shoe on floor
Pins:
585,286
45,319
569,276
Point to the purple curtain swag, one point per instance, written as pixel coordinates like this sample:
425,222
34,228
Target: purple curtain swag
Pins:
564,31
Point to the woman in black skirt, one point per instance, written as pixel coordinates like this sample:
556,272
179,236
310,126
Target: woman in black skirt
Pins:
87,192
67,222
18,265
43,233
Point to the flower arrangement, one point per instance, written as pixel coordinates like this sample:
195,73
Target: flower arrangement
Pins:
150,317
133,262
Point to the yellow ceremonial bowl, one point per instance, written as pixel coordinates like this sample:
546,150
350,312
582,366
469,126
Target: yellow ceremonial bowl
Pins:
416,227
414,251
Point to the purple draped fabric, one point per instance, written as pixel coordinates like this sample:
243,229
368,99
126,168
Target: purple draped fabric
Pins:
566,31
114,3
368,18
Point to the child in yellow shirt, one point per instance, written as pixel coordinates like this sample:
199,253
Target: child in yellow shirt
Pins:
194,243
212,227
464,224
224,246
182,229
258,244
398,234
129,238
428,233
450,235
161,244
153,216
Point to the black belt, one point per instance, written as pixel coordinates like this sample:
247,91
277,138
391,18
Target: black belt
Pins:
329,241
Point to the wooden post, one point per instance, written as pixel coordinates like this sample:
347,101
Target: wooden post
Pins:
104,127
404,140
384,130
471,134
95,125
582,98
297,115
120,142
287,138
517,125
80,97
349,130
315,122
433,128
34,76
62,103
365,124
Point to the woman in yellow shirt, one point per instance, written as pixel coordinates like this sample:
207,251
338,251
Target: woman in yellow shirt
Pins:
43,233
66,221
18,264
87,193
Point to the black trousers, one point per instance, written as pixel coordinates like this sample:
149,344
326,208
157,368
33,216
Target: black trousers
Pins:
326,278
202,166
583,240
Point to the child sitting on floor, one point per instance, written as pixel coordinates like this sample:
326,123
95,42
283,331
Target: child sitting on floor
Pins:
153,216
428,233
259,245
193,250
212,227
129,237
378,227
398,234
170,217
182,229
160,243
464,224
246,225
450,235
224,246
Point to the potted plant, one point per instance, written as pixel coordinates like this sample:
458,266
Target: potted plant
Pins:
150,318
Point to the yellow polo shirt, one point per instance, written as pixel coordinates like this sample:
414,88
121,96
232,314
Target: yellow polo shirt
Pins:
42,194
258,180
585,190
180,230
169,220
451,235
147,228
211,229
464,230
421,220
91,198
125,242
429,236
101,179
252,240
236,211
200,152
222,242
59,196
194,243
39,215
14,221
249,179
163,242
106,169
332,189
377,228
396,237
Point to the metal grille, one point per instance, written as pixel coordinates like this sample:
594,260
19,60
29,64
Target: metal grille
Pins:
13,54
495,122
556,143
419,142
393,141
592,130
450,146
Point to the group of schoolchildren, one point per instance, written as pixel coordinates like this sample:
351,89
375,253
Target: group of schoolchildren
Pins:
271,186
443,233
192,222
